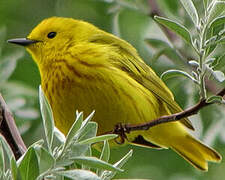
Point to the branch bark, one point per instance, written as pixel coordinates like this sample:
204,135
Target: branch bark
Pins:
121,130
9,130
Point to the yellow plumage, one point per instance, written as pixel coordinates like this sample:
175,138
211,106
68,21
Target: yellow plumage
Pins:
84,68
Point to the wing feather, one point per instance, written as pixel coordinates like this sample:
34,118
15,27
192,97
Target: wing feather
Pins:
134,66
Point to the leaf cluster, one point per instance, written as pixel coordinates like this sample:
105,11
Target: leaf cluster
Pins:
209,35
71,158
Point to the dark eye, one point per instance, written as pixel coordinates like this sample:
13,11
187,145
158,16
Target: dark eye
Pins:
51,35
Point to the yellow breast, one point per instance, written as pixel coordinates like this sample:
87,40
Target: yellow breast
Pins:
114,96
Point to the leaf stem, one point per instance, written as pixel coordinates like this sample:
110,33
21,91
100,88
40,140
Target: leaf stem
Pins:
202,69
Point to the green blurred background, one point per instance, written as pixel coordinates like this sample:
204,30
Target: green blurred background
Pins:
128,19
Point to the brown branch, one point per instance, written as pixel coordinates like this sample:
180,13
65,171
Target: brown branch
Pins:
9,130
121,130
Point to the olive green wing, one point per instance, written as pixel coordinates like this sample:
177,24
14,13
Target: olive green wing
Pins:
134,66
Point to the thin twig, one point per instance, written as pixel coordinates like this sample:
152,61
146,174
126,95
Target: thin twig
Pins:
9,130
121,130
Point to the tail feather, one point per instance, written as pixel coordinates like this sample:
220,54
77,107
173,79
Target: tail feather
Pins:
195,152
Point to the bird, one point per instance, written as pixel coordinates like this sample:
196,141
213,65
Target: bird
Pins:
85,68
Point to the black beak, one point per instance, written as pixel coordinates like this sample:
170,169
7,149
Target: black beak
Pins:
22,41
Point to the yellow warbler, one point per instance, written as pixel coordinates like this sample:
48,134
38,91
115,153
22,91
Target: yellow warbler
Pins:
84,68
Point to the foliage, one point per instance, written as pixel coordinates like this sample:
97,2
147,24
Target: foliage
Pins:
70,159
197,55
203,42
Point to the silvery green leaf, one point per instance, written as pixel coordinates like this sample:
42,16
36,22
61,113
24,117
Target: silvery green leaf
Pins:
175,73
84,123
60,136
45,159
94,162
210,60
57,151
206,4
215,42
221,40
195,75
73,130
50,175
98,139
47,117
64,162
217,21
220,62
176,27
6,146
193,63
38,143
87,153
78,174
122,161
77,150
219,75
195,43
29,167
191,10
210,41
58,169
88,129
105,154
217,9
35,146
222,32
214,99
109,174
14,169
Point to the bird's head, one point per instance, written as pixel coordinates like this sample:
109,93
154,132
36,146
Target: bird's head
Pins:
53,36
